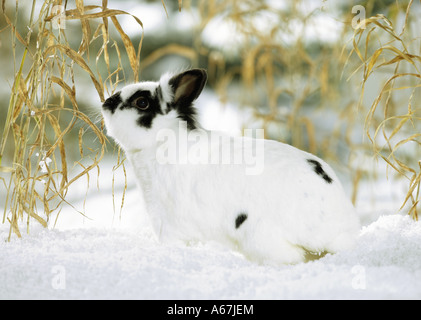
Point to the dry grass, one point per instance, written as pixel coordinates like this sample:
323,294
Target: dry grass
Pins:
43,109
285,84
392,122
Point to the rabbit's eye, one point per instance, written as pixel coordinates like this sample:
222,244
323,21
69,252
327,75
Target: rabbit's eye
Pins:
141,103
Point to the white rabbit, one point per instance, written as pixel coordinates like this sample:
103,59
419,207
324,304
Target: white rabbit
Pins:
293,206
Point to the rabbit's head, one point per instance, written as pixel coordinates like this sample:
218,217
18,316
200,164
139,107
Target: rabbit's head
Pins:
134,115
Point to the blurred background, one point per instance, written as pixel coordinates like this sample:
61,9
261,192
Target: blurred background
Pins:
305,71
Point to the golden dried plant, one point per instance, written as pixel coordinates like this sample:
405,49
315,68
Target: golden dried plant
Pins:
43,109
393,119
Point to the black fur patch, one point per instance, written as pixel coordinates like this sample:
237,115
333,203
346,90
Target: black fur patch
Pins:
145,116
184,105
158,94
317,167
188,113
240,219
112,102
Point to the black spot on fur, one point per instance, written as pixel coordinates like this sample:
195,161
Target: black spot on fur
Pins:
158,93
317,167
146,116
188,113
145,121
240,219
184,104
112,102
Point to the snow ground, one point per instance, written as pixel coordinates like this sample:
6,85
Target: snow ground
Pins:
112,258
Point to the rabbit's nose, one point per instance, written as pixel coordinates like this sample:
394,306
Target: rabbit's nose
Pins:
112,102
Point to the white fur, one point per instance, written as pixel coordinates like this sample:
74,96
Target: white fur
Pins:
290,209
167,93
130,89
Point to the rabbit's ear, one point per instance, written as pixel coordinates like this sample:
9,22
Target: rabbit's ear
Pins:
187,86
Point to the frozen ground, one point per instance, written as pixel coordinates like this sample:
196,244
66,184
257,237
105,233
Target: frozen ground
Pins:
112,258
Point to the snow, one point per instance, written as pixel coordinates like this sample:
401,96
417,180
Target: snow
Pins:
108,257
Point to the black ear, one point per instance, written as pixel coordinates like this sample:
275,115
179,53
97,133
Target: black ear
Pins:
188,85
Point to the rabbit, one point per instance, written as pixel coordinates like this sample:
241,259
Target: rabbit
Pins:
293,208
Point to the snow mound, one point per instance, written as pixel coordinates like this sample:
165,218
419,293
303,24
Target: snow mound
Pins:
112,263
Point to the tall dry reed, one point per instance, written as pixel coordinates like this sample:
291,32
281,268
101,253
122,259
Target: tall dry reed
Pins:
43,108
390,57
